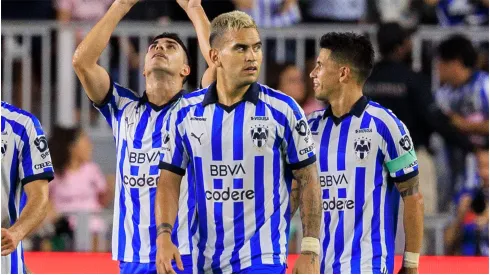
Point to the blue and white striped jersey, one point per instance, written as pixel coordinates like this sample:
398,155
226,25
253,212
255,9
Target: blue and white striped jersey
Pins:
471,102
25,158
137,128
360,156
241,160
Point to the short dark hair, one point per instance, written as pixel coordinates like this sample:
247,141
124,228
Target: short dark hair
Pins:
351,48
390,35
176,38
458,47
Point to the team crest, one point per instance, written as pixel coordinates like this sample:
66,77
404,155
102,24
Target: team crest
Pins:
259,135
362,147
4,148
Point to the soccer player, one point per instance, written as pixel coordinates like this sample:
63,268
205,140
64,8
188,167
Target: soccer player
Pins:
245,142
26,171
136,123
364,151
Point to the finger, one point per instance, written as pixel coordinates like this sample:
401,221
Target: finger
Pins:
178,260
168,267
7,251
160,268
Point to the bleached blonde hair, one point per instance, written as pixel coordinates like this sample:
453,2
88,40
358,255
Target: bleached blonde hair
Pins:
235,20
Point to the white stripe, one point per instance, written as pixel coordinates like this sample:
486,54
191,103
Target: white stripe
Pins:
144,200
382,220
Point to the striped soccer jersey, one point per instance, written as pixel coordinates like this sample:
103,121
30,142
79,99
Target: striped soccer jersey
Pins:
360,156
25,158
137,128
241,160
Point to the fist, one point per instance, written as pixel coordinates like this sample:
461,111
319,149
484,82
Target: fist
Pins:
10,241
187,4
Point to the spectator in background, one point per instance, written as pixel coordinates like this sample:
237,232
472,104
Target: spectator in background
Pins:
289,79
271,13
79,185
463,96
337,11
404,12
81,10
460,12
394,85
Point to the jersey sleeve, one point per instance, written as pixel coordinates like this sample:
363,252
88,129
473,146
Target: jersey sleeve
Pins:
398,148
484,97
298,146
173,155
117,97
35,160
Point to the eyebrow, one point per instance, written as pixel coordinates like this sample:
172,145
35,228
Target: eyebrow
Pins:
246,46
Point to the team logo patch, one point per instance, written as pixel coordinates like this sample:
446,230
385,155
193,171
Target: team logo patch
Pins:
302,128
41,144
362,147
166,139
406,143
259,135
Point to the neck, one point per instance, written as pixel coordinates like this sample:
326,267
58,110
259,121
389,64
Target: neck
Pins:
228,91
461,78
160,88
342,102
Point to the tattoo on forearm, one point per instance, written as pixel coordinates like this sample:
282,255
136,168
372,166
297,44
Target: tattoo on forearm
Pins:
410,191
310,205
309,253
409,187
164,228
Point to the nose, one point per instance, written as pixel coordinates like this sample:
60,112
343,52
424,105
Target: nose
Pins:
312,74
159,47
251,56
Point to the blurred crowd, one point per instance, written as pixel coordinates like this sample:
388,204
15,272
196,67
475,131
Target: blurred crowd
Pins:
455,174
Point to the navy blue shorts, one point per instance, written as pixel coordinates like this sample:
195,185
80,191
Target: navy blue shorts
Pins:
264,269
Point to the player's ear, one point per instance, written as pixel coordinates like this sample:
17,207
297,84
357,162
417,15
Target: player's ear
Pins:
186,70
345,74
214,56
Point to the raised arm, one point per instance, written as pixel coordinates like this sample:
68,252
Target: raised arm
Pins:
311,213
194,10
95,79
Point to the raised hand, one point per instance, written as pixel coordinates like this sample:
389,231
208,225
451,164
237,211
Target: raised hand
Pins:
188,4
127,2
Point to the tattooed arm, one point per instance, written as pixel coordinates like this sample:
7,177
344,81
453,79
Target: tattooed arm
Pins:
309,200
413,214
294,198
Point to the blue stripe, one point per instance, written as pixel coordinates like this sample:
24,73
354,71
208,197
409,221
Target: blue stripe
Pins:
238,132
106,113
375,221
135,199
191,203
297,111
153,228
276,216
390,113
255,248
23,200
366,120
292,153
124,92
157,132
484,101
14,262
34,120
326,240
122,205
390,221
359,199
174,236
220,236
14,176
344,135
324,145
202,214
21,131
239,231
260,108
140,129
339,243
216,145
178,157
388,138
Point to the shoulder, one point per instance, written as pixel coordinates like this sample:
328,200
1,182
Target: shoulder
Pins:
22,118
280,101
125,92
385,115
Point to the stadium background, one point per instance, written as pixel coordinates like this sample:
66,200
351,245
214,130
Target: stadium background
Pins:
39,38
